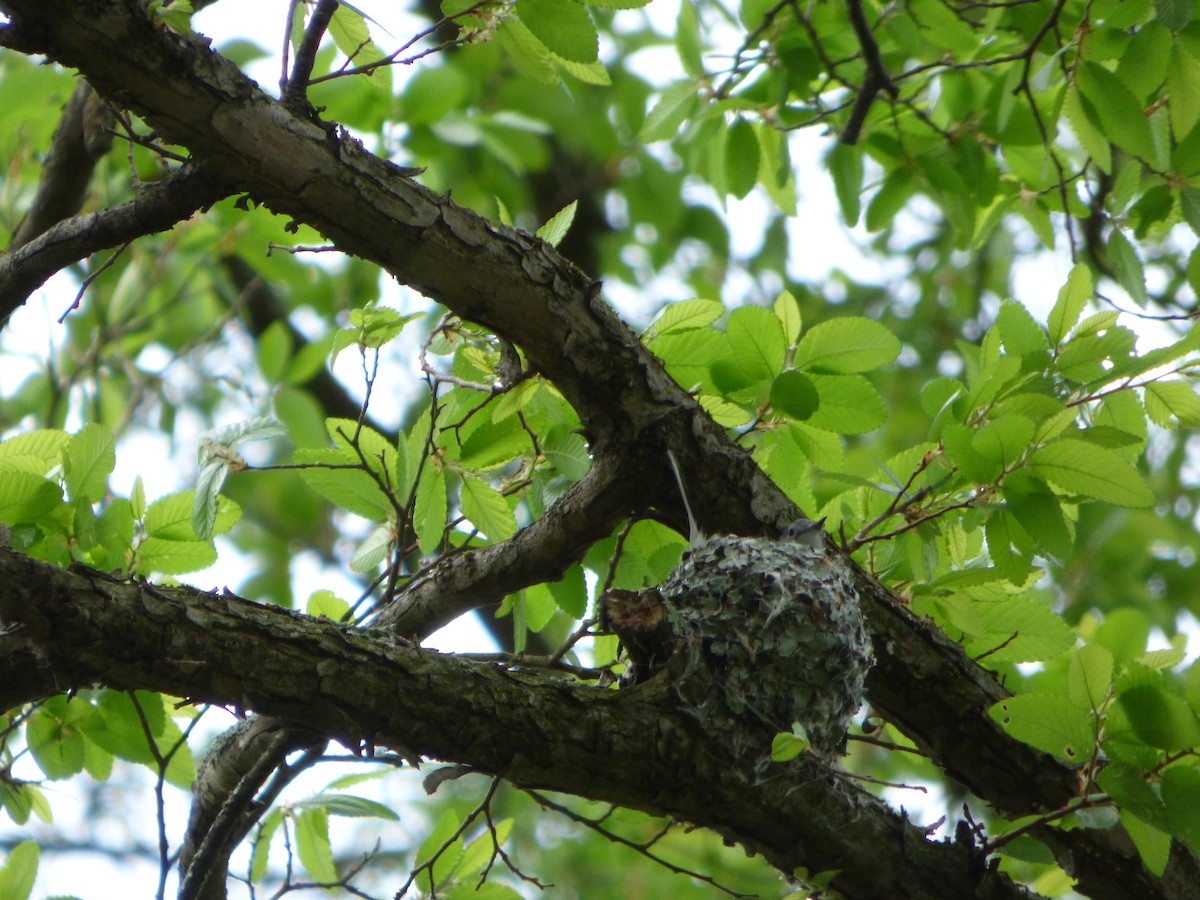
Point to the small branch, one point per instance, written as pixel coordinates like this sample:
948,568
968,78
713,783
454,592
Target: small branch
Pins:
295,90
158,208
877,78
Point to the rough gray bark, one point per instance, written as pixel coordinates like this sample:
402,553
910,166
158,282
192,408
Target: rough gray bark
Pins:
632,412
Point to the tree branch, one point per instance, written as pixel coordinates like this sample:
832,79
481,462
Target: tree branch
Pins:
158,208
368,689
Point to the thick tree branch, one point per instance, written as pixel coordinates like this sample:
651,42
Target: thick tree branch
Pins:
369,689
158,208
523,290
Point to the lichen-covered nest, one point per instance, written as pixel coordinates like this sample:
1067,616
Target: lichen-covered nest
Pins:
770,630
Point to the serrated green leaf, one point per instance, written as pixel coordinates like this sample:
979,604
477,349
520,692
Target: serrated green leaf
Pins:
559,224
1089,676
1117,111
1019,629
1175,14
42,446
563,26
1129,789
429,510
593,72
88,460
262,844
1183,90
1172,404
1071,299
312,845
1019,331
1091,471
794,395
849,404
170,517
207,497
19,871
1083,121
1181,796
742,155
846,166
25,497
788,312
351,489
55,741
1049,722
487,509
1160,718
256,428
1153,845
531,56
674,105
1128,265
756,337
349,806
846,345
326,603
687,315
174,557
567,451
373,550
687,41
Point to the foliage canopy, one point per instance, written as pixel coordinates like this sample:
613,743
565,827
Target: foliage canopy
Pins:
376,306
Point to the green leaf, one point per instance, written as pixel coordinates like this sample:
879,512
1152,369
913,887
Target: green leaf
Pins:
793,394
429,511
674,105
25,497
19,871
374,549
1181,796
1128,265
1128,787
54,740
741,158
847,344
349,806
326,603
207,497
570,592
849,404
349,488
88,460
563,26
312,845
487,509
567,451
1183,89
1160,718
170,517
756,337
1049,722
1091,471
35,452
1089,676
788,312
787,746
1172,404
1019,331
687,315
262,844
174,557
687,41
1082,119
1116,110
1020,629
1153,845
1175,14
273,350
1071,299
559,224
846,166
